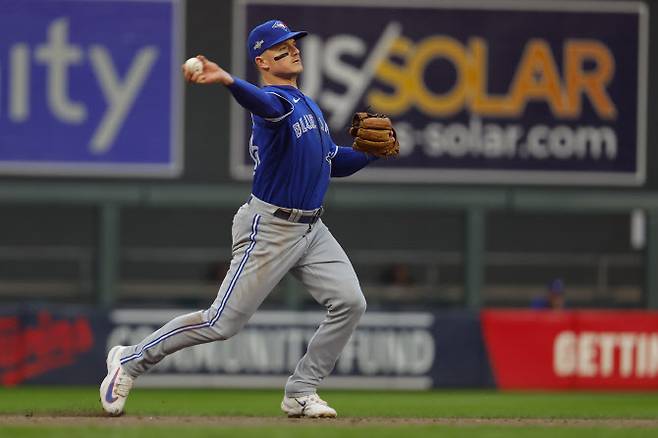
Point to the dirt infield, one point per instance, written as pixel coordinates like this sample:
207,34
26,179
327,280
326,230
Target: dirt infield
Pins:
77,421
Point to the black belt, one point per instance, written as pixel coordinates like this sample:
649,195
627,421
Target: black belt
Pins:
285,213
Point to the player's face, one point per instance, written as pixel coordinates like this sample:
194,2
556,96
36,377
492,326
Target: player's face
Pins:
284,59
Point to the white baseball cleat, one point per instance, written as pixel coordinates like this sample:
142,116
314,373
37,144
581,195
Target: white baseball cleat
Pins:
311,406
116,385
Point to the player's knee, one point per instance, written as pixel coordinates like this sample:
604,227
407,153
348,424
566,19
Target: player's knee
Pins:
226,334
227,329
222,328
356,304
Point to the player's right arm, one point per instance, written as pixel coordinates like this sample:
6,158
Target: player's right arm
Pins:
255,100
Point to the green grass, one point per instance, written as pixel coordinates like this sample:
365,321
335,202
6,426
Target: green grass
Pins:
83,401
471,404
327,432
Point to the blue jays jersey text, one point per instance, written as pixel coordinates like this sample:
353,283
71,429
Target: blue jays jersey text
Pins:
292,153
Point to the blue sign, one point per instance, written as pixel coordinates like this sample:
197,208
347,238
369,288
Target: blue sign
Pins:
389,350
90,87
528,92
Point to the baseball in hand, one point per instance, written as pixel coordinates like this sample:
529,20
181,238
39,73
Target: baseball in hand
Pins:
193,65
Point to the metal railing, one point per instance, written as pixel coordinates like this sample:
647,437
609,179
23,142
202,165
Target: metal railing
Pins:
110,198
428,266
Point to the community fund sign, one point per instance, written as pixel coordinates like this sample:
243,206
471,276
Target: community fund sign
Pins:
480,92
389,350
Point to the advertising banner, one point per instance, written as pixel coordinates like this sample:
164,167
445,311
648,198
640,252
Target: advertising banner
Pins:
480,92
90,87
572,349
461,357
508,349
52,346
388,350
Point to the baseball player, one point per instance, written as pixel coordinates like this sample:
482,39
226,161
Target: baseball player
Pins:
276,231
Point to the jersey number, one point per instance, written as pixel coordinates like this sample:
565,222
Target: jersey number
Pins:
253,152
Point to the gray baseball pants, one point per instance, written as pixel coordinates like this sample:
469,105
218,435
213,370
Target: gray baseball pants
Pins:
265,248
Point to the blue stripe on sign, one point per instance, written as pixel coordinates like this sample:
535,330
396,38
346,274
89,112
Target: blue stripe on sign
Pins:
243,262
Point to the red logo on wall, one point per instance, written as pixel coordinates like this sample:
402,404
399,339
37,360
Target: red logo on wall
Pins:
572,349
27,351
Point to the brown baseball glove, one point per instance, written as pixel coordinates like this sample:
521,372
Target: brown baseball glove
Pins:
374,134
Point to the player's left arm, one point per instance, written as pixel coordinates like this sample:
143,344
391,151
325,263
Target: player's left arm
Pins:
346,161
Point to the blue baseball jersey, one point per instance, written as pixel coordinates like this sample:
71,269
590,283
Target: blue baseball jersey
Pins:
292,153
